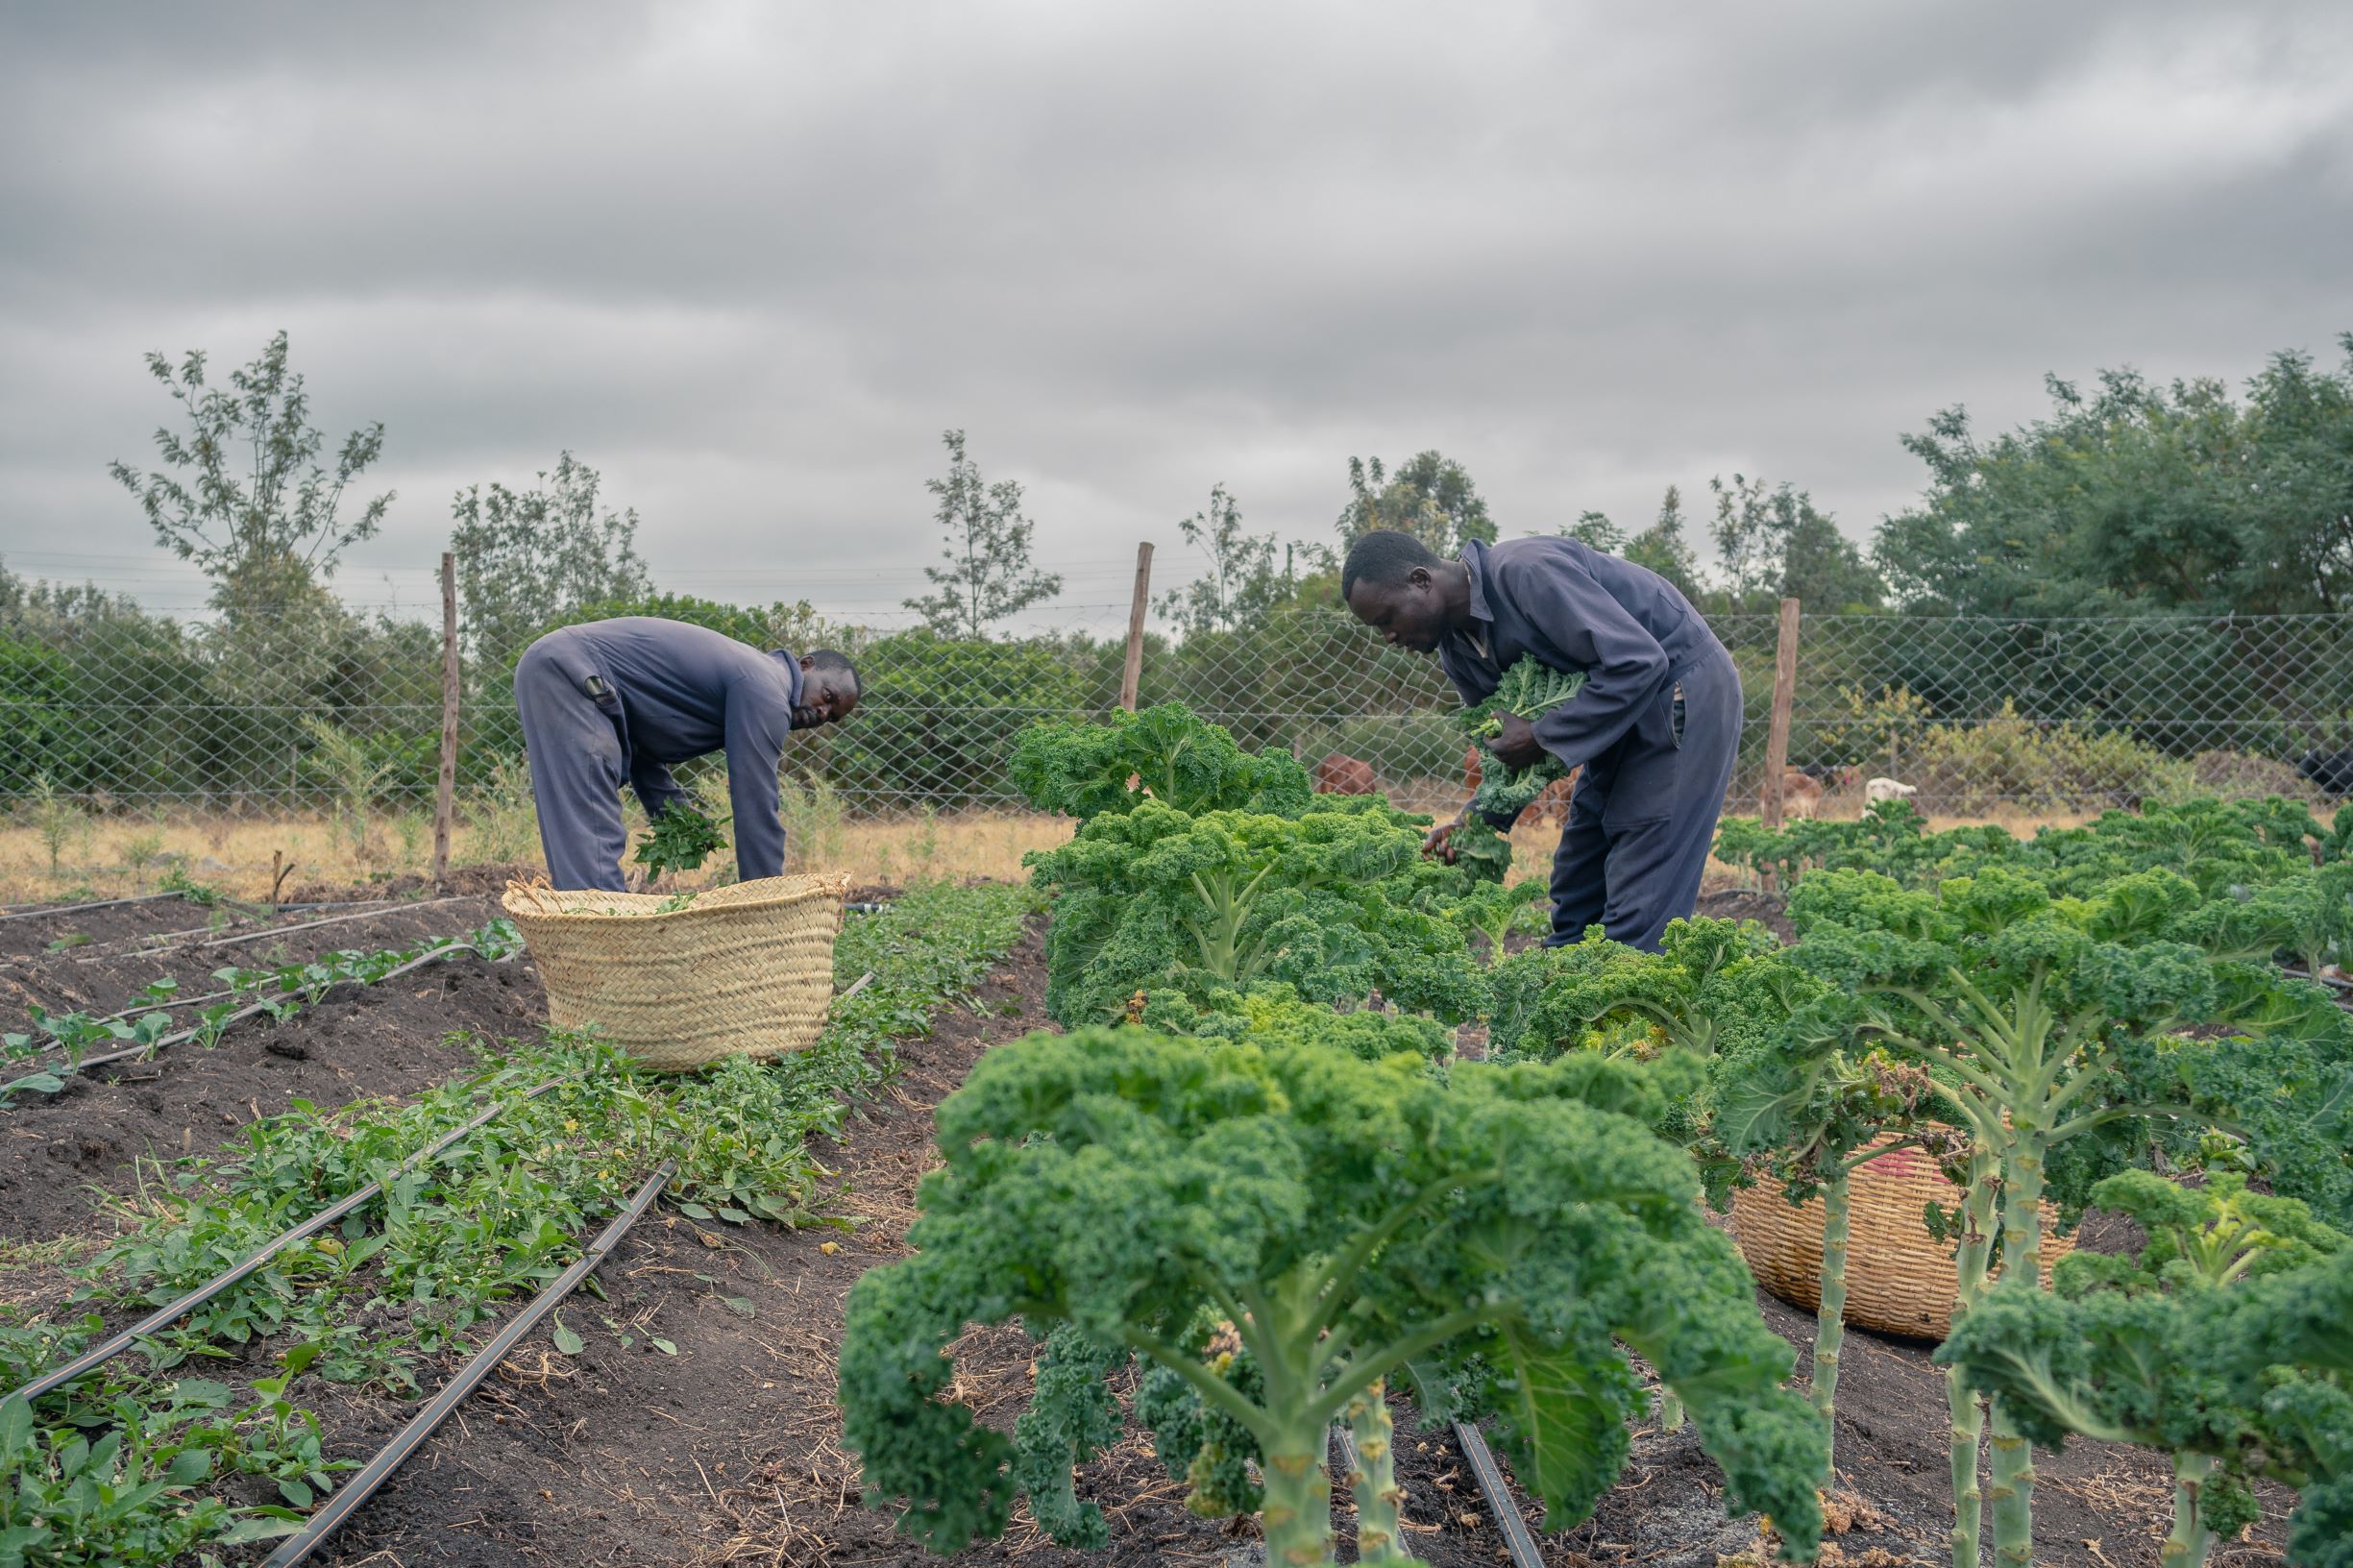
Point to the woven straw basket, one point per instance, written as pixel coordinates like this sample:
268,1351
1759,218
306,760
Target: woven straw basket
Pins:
1900,1279
745,969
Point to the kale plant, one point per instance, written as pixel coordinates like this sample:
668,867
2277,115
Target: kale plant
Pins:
1500,1241
1530,688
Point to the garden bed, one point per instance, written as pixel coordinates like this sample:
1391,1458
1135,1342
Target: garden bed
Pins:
731,1451
726,1447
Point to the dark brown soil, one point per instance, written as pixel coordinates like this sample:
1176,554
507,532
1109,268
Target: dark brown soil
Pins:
60,1153
1745,904
488,879
32,934
101,978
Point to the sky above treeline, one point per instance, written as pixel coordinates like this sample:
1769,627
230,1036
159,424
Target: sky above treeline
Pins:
751,259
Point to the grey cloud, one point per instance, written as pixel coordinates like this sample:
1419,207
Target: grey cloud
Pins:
749,260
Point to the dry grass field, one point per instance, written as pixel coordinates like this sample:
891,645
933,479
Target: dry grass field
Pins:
74,854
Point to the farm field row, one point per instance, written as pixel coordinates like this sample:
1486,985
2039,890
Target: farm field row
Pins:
1227,1113
347,1329
1272,1199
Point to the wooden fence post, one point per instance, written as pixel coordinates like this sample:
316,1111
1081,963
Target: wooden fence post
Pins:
1132,671
1777,735
445,793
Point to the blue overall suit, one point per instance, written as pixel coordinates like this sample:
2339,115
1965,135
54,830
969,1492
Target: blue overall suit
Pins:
1644,813
620,701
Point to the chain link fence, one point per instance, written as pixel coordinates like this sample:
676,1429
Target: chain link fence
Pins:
122,711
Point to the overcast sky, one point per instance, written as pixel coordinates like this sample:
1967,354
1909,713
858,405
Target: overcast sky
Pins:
751,259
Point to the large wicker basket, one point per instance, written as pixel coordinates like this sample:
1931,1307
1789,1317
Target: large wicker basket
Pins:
1900,1279
745,969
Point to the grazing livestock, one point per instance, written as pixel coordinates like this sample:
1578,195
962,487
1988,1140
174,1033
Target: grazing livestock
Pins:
1801,795
1551,808
2331,771
1877,789
1338,774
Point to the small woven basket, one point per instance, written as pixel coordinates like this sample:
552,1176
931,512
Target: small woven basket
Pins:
745,969
1899,1279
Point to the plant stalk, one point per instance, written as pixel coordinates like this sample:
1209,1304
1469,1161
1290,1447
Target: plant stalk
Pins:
1968,1416
1830,1317
1380,1536
2012,1491
1297,1513
2186,1547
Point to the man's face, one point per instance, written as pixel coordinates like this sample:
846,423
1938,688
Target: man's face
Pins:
1405,614
827,696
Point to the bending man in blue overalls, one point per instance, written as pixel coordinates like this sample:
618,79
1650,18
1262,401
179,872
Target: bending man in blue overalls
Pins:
622,702
1656,726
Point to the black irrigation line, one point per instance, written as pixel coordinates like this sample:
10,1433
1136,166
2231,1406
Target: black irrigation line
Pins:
1498,1492
76,909
165,1316
2293,972
334,920
1517,1541
348,1498
242,1013
156,941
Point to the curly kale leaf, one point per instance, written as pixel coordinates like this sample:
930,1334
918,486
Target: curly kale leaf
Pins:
1275,1015
1072,1416
1165,753
1530,688
2257,1376
1329,901
1201,1445
1508,1219
1484,854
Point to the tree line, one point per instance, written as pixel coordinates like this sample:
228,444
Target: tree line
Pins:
2130,498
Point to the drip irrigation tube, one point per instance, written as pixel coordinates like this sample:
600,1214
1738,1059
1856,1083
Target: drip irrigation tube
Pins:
156,1047
354,1493
334,919
76,909
2292,972
163,1317
1498,1492
107,952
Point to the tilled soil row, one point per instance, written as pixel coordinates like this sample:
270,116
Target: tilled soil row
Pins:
101,977
725,1448
729,1451
63,1154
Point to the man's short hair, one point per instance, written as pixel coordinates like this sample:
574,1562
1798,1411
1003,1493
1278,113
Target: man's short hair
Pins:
1383,557
826,658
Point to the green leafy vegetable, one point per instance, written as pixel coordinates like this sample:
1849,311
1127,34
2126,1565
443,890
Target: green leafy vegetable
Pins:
1329,901
1164,753
681,839
1496,1239
2232,1381
1530,688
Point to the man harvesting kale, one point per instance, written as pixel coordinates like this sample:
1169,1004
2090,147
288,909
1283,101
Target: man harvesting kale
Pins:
1654,724
624,701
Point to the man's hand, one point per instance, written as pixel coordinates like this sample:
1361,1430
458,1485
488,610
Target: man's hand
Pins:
1438,843
1518,747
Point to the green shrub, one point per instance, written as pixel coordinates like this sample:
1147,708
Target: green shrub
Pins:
2010,760
940,717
